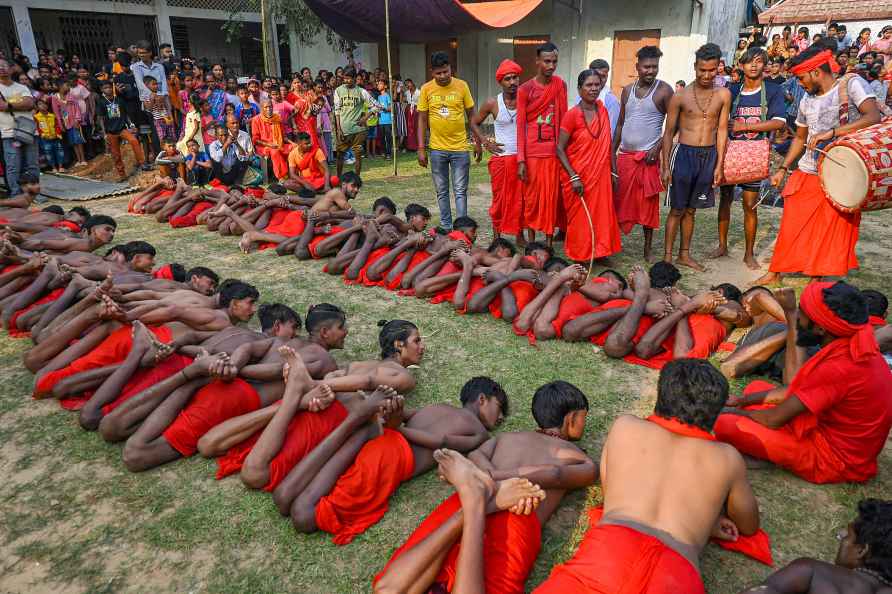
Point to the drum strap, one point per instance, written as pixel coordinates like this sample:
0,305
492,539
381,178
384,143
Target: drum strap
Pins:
763,102
844,98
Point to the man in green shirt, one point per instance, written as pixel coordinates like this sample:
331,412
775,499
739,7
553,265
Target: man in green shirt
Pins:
351,109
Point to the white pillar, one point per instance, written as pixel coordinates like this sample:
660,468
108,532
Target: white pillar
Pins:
26,34
294,49
162,18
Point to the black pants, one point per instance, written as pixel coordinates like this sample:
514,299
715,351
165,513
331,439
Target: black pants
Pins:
231,177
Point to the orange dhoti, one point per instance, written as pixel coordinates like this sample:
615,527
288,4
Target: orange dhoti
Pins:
815,238
360,497
146,378
541,194
637,199
507,201
278,157
305,431
111,351
799,446
615,559
708,334
211,405
510,545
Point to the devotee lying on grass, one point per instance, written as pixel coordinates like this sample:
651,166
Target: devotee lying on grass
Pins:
343,485
832,421
293,223
668,487
863,562
97,231
429,559
52,216
152,198
104,338
20,205
159,361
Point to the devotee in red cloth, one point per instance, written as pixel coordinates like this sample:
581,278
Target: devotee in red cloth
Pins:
506,210
668,487
637,143
269,139
815,238
308,168
830,424
541,105
506,542
584,152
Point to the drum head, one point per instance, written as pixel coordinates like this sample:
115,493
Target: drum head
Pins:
846,183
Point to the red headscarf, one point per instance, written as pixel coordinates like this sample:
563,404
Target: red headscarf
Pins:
507,67
860,338
816,61
164,272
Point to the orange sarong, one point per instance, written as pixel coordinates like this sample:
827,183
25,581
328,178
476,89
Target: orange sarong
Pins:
211,405
146,378
507,201
708,334
815,238
510,546
541,194
637,199
111,351
589,154
305,431
360,497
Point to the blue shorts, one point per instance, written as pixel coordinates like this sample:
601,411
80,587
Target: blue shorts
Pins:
693,170
74,136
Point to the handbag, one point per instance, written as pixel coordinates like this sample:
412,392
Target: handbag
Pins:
24,128
747,161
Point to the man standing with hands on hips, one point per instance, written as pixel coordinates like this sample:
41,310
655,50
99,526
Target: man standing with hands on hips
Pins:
446,106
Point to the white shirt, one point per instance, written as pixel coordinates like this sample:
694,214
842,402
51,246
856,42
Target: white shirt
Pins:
7,121
820,113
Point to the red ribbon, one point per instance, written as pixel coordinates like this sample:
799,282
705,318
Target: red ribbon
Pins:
816,61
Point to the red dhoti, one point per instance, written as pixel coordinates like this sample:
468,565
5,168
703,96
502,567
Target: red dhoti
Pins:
314,243
211,405
360,497
615,559
708,334
146,378
814,238
305,431
510,545
278,157
110,351
190,219
637,199
573,306
14,331
799,446
541,194
507,201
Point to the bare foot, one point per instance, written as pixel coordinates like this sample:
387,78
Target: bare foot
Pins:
649,257
464,475
751,262
719,252
245,243
202,365
518,495
377,402
770,278
109,310
143,341
685,259
639,279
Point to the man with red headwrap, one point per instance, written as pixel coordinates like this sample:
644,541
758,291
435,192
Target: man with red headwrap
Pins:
815,238
830,424
541,105
505,211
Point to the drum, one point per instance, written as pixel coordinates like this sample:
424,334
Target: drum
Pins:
856,173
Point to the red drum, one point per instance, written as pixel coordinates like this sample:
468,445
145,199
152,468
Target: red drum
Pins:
856,173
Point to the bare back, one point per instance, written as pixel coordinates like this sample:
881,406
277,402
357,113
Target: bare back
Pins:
670,484
441,420
331,201
693,128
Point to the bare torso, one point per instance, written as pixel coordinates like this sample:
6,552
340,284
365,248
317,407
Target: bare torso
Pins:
693,128
441,420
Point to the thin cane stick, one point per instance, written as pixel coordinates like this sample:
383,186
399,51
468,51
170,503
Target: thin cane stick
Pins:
591,226
827,156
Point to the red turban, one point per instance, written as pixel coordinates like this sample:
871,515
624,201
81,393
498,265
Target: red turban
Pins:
164,272
816,61
862,341
507,67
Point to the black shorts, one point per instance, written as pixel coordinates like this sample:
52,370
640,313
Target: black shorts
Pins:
693,171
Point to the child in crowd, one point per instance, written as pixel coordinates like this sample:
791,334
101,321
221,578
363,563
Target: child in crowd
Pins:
159,106
198,165
49,136
68,115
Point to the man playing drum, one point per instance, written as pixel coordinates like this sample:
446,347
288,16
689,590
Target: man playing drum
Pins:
815,238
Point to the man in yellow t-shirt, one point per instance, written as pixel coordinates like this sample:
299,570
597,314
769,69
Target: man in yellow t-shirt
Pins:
446,106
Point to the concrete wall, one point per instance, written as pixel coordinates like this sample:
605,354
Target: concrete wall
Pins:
413,62
318,54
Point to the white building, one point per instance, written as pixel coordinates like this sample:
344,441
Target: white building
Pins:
854,14
582,29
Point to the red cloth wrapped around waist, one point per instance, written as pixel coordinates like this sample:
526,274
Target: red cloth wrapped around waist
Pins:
211,405
305,431
314,243
291,224
360,497
417,258
572,306
70,225
637,199
14,331
449,292
146,378
111,351
708,334
190,219
615,559
510,546
362,278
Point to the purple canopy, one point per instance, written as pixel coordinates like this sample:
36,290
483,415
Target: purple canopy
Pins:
418,20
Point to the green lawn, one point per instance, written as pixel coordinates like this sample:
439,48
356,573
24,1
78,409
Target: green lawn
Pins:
75,520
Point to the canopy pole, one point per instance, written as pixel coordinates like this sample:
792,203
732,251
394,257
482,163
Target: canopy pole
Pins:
393,151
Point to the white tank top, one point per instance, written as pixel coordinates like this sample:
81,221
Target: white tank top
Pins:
506,127
643,126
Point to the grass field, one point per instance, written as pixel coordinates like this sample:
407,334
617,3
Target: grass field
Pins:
74,520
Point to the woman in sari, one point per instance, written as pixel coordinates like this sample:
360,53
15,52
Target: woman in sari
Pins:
269,139
305,109
583,149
